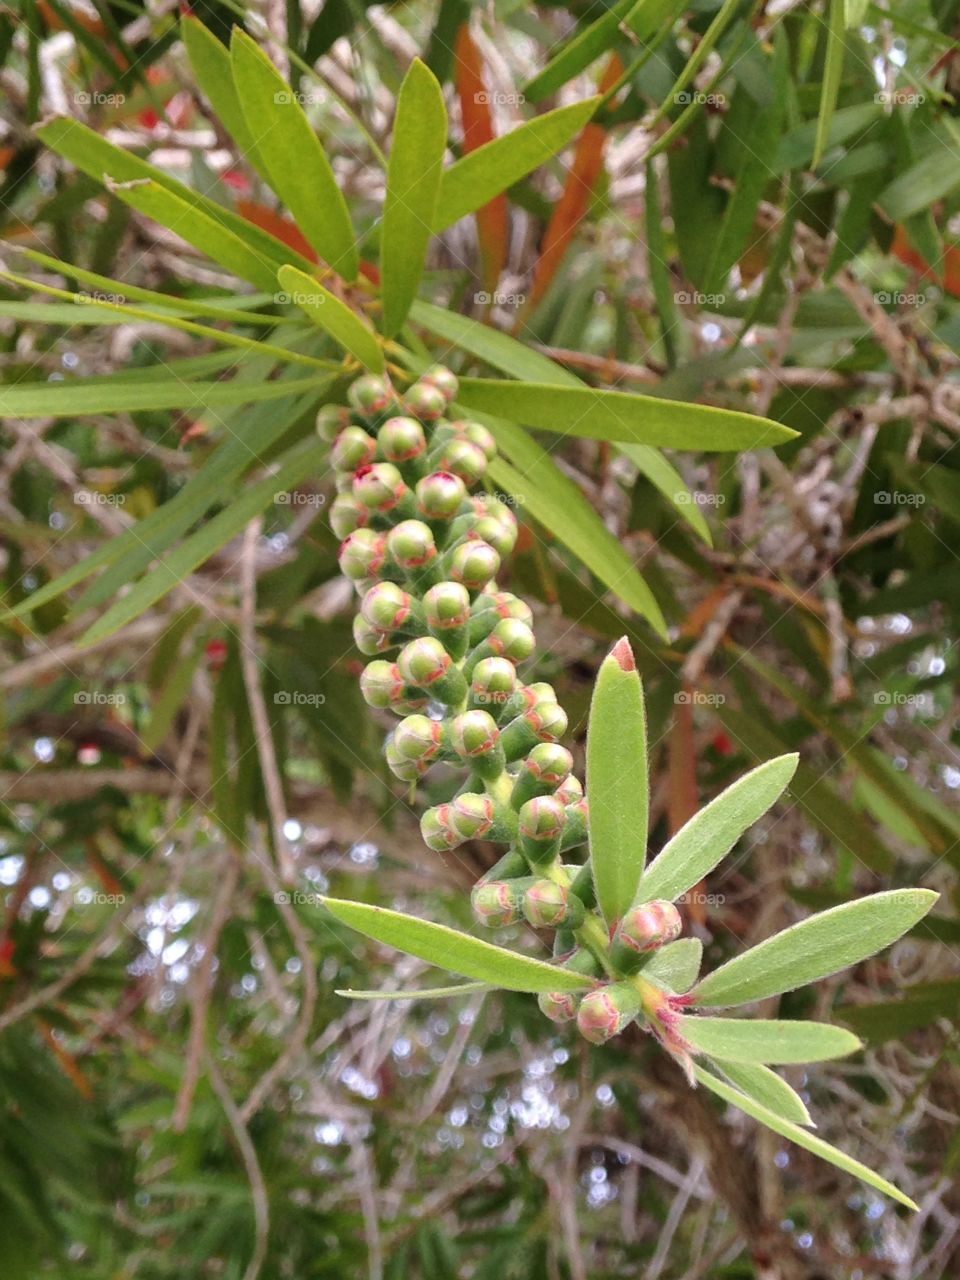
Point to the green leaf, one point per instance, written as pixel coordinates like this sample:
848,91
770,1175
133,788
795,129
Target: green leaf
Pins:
664,477
767,1040
492,346
413,184
816,947
98,396
297,465
832,72
676,966
456,952
583,47
422,993
800,1136
617,782
767,1088
213,71
928,180
100,159
477,177
924,1003
333,316
618,415
545,493
710,834
299,170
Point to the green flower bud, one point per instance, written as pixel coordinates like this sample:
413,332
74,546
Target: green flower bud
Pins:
386,606
541,823
492,682
370,396
544,722
491,607
347,515
512,639
474,564
543,769
362,554
474,733
648,926
352,448
578,825
437,830
418,738
478,435
426,664
604,1013
496,903
501,534
545,904
381,684
368,639
439,495
401,440
570,790
425,401
463,459
399,766
331,420
379,486
558,1006
446,606
444,380
477,816
410,544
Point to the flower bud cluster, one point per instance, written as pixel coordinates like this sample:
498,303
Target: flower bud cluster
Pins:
423,543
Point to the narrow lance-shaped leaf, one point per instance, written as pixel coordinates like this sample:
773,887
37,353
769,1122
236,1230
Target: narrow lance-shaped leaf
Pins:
96,396
767,1040
617,781
676,966
299,170
476,178
711,833
333,316
801,1137
815,948
413,182
419,993
767,1088
832,72
618,415
457,952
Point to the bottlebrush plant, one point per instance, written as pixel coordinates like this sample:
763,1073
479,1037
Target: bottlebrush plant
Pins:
420,457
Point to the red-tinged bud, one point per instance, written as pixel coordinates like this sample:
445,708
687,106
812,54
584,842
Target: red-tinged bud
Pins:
549,763
474,733
410,544
362,554
437,830
444,380
370,396
570,790
495,903
472,815
381,684
624,654
446,606
380,486
501,534
492,682
331,420
463,459
648,926
478,435
386,606
401,440
399,766
491,607
369,640
542,818
418,738
512,639
545,904
578,825
474,564
439,495
548,721
558,1006
352,448
423,662
604,1013
425,401
347,515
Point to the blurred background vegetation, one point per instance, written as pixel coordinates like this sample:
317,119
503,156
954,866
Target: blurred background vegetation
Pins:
763,218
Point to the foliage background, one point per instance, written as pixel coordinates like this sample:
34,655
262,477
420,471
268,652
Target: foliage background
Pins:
184,1094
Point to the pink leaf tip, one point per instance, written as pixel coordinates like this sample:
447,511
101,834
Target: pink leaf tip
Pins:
623,654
